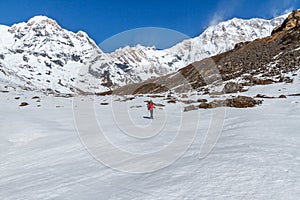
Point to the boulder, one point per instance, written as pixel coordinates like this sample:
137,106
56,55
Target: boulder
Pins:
282,96
189,108
263,96
232,87
202,100
204,105
217,103
172,101
242,102
24,104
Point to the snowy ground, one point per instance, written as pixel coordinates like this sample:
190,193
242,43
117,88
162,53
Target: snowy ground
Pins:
256,157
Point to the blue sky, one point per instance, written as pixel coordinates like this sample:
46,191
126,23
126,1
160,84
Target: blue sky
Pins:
102,19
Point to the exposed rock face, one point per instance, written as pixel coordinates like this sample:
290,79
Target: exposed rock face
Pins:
289,23
264,59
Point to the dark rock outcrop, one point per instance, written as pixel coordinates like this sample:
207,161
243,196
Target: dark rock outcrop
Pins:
237,102
204,105
242,102
23,104
282,96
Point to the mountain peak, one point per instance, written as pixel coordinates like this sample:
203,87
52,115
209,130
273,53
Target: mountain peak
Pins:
42,20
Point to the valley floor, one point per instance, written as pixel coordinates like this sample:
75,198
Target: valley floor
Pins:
256,157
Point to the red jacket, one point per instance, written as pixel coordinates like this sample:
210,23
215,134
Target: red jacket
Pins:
150,106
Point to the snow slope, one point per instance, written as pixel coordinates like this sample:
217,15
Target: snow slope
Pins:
256,157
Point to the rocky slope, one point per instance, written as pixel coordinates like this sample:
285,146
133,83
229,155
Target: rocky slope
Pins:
263,61
146,62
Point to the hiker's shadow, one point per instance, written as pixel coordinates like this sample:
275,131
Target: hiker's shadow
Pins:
146,117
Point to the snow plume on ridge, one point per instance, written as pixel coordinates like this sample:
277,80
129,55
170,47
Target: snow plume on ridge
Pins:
217,18
225,9
281,7
277,12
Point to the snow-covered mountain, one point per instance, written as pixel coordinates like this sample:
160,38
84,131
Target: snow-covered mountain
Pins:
264,61
144,62
224,36
40,55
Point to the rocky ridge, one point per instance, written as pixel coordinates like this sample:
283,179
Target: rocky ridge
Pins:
147,62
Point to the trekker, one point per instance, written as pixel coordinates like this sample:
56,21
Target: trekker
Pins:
150,106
